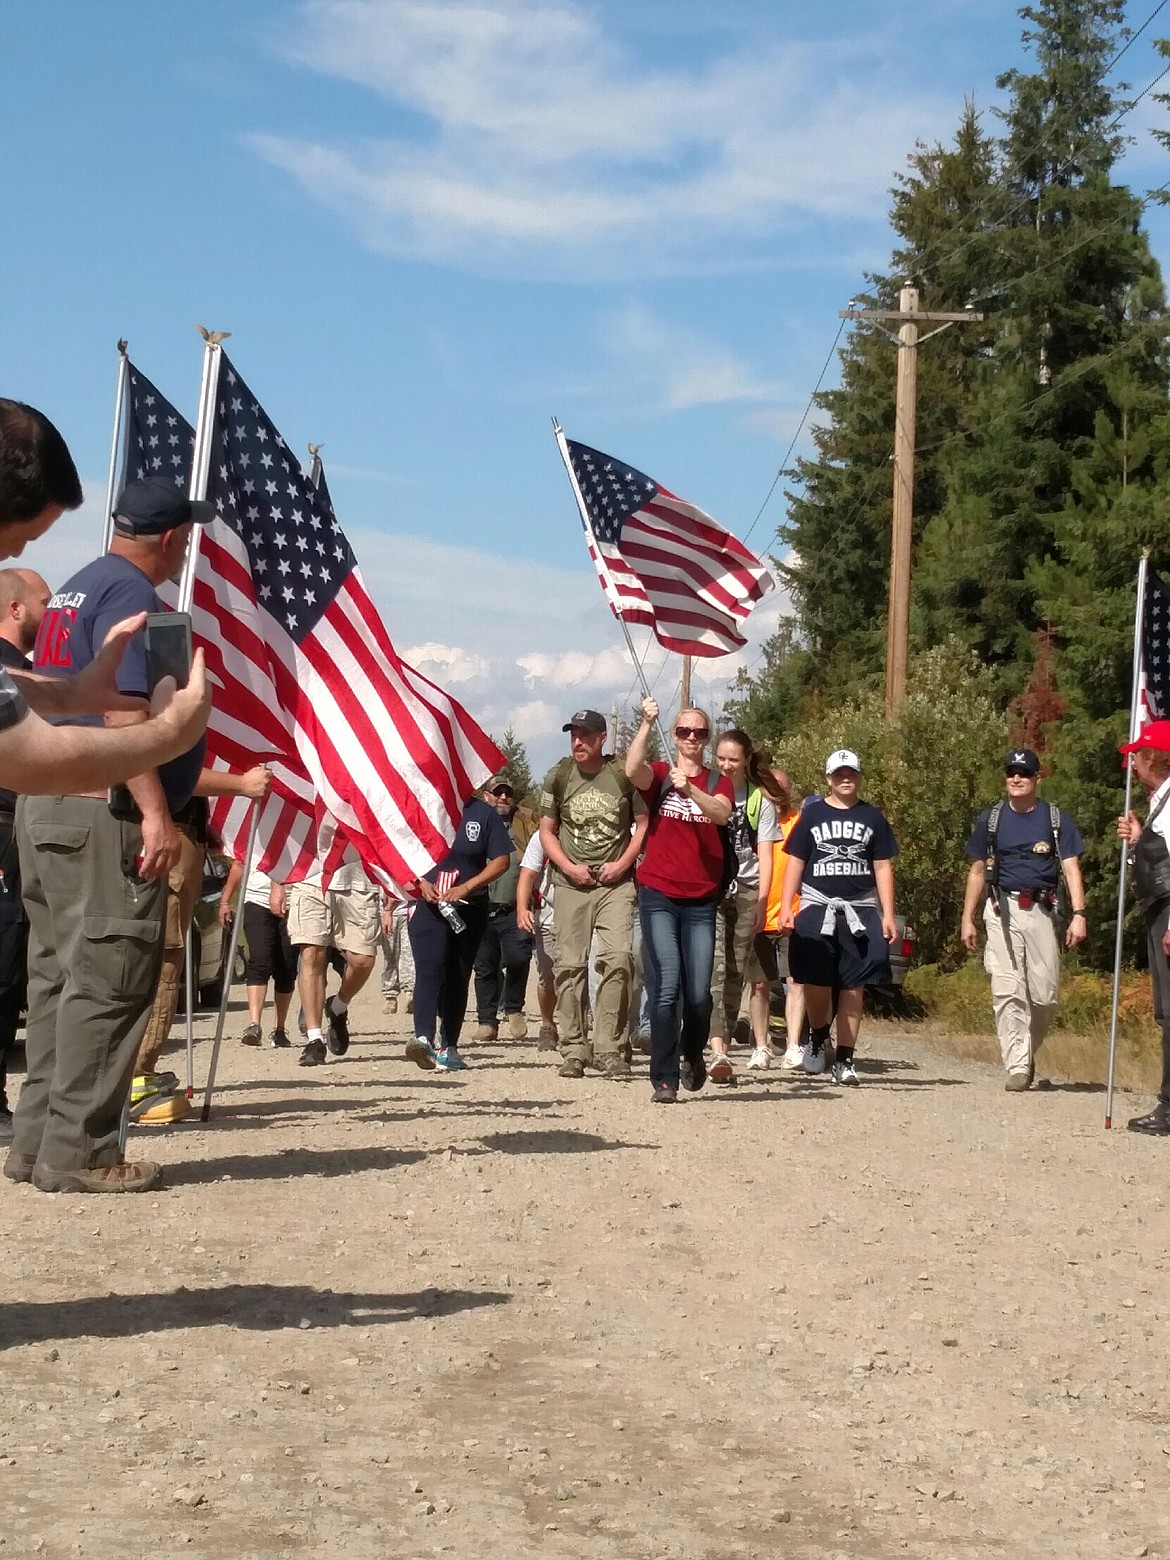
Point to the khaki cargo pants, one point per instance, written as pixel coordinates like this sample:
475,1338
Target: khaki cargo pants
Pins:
1025,979
579,915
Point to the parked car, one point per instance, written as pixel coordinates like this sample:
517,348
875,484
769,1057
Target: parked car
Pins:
884,999
210,941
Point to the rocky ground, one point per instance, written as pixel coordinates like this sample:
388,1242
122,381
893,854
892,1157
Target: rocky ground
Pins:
379,1313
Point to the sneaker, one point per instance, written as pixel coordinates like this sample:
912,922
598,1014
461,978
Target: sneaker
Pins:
844,1074
615,1067
155,1097
336,1028
547,1038
1017,1082
720,1069
760,1059
120,1177
390,1001
517,1026
814,1061
19,1167
313,1055
485,1034
572,1067
793,1059
422,1053
692,1075
279,1040
663,1094
253,1035
450,1060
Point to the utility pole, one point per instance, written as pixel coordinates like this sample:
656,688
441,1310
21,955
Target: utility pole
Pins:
684,702
613,728
909,318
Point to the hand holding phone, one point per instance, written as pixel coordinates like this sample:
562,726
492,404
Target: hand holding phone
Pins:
168,646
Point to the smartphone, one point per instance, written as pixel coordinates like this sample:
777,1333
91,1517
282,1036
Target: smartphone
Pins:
167,639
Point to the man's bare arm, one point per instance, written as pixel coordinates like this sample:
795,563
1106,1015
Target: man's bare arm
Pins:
92,691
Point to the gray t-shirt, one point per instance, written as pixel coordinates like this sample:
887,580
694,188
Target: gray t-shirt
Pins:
748,875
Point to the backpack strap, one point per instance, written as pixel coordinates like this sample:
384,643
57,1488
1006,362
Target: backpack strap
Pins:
559,780
993,844
1054,820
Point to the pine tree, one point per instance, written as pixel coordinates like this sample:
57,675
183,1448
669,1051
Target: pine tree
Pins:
516,769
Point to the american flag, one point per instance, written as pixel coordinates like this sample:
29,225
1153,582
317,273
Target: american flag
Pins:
306,663
160,445
663,562
1156,647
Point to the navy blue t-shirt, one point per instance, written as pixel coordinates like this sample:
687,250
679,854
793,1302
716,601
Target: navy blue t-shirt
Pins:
1024,843
482,835
839,846
73,630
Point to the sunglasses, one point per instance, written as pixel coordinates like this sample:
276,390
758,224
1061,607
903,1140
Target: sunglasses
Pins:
502,790
698,732
1019,774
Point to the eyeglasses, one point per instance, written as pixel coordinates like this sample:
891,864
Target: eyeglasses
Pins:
1019,774
699,733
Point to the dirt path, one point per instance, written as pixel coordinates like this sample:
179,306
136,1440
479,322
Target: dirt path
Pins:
377,1313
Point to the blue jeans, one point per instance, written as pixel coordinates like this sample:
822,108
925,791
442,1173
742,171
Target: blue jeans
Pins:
678,945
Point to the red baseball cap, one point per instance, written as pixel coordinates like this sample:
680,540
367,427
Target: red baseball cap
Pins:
1154,735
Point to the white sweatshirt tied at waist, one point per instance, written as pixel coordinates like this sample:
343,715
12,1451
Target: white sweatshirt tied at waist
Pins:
834,905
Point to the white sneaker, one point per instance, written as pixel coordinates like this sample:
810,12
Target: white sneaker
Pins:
844,1074
760,1058
793,1058
814,1061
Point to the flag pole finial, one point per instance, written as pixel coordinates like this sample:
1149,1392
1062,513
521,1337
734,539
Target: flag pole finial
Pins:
212,337
123,346
315,450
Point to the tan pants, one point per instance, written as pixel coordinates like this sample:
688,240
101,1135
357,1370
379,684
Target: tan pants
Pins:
579,915
183,885
736,965
1025,979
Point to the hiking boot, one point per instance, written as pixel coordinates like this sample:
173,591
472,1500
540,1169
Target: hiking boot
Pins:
572,1067
547,1037
1017,1083
19,1167
336,1028
279,1040
663,1094
313,1055
422,1053
517,1026
253,1035
485,1034
125,1176
692,1075
617,1068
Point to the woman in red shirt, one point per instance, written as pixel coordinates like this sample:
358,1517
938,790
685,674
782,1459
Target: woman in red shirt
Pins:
678,890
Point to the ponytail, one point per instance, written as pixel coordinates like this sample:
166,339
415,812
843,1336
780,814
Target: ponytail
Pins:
758,772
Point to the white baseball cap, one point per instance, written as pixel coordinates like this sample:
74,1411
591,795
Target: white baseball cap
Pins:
843,758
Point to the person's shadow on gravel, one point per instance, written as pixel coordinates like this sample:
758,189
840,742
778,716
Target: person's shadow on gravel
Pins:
554,1142
259,1307
290,1162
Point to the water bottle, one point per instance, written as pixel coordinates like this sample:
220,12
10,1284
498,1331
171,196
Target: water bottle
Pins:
452,917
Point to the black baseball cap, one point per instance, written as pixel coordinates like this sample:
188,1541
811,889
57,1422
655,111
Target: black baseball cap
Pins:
1023,760
586,720
150,508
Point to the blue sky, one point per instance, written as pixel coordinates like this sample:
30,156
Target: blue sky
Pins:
430,226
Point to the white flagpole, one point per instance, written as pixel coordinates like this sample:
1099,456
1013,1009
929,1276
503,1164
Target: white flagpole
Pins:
237,922
1134,722
610,593
115,443
201,456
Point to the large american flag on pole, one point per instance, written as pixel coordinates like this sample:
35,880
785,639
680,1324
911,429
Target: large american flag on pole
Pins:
1156,647
662,561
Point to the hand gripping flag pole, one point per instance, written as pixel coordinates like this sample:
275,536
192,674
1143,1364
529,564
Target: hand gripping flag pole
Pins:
606,583
1135,722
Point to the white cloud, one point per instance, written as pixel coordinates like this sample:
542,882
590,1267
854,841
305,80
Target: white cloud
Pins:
673,366
521,131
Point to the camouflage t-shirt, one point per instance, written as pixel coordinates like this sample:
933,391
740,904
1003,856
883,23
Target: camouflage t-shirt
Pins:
594,815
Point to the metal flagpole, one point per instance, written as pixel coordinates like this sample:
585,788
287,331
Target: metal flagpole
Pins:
201,456
189,982
610,593
1143,568
233,946
115,443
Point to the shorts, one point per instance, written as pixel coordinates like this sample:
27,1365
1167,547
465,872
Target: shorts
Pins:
544,945
843,959
348,919
772,956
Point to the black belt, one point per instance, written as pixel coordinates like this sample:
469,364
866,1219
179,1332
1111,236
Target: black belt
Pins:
1045,898
498,910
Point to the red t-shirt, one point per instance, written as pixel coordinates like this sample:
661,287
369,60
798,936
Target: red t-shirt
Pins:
684,850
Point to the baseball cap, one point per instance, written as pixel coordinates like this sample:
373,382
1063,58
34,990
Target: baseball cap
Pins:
150,508
1154,736
586,720
500,782
1024,760
842,758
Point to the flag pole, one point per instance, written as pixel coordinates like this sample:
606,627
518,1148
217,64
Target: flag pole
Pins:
201,456
233,945
116,443
610,593
1134,722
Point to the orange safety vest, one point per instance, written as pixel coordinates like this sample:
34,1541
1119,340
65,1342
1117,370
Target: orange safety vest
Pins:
779,866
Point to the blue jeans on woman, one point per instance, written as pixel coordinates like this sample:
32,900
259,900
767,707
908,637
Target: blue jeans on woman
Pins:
678,945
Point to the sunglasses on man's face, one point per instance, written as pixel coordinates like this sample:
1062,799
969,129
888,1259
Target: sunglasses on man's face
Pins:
1019,774
700,733
503,790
